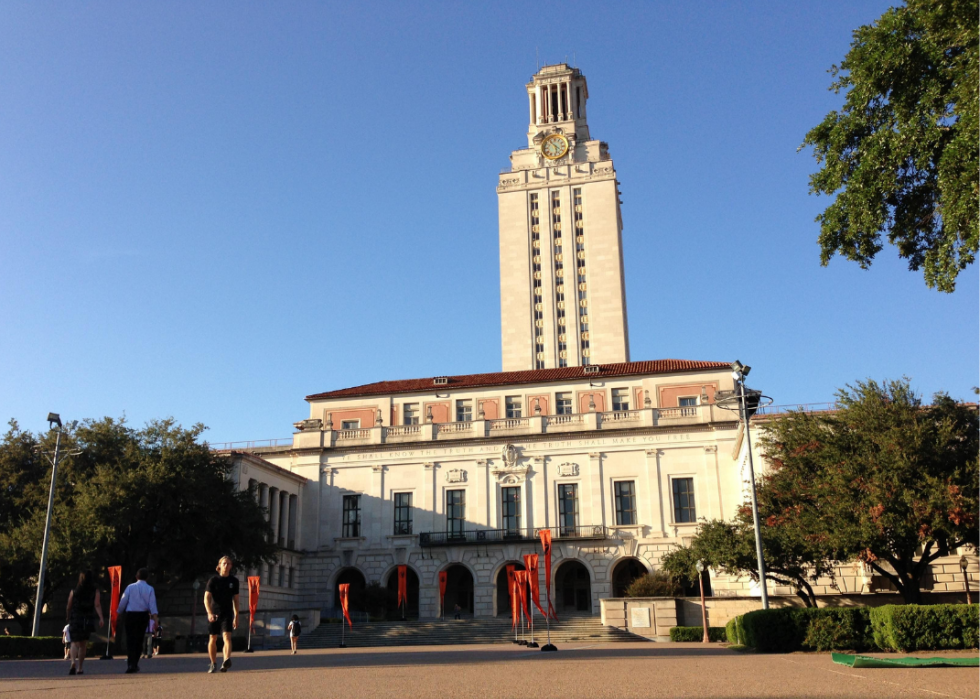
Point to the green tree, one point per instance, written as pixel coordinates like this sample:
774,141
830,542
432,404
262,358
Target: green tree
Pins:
791,558
902,153
883,478
155,497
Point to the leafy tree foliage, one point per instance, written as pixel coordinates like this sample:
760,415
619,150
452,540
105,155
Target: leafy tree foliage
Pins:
656,584
884,478
155,497
902,153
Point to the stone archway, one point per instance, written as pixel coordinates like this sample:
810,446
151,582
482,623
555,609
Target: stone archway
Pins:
355,594
573,588
412,588
503,592
626,571
459,589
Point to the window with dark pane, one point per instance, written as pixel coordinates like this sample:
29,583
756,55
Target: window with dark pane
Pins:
625,502
352,515
455,512
511,509
403,513
684,500
567,509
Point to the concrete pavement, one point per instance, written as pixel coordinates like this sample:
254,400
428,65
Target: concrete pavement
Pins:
673,670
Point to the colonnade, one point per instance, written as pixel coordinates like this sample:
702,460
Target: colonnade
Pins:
557,102
280,509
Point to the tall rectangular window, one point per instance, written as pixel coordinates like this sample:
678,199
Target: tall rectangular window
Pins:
352,515
410,414
403,513
620,399
455,512
567,509
563,404
514,405
625,502
684,500
511,509
464,410
688,405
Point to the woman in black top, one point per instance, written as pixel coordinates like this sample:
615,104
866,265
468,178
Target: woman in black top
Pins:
84,604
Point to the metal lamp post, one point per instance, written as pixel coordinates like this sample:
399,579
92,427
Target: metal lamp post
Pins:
966,579
704,609
748,402
53,420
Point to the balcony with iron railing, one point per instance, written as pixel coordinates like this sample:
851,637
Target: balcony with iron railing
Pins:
480,537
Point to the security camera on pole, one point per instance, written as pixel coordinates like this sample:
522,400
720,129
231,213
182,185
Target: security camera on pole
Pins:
747,401
54,422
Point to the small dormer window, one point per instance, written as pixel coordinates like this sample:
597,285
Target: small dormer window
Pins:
440,380
592,369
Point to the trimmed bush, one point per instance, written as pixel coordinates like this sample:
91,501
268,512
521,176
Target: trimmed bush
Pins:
788,630
911,627
31,647
655,584
734,632
696,633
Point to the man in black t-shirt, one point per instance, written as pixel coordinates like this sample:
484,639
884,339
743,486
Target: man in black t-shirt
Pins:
221,603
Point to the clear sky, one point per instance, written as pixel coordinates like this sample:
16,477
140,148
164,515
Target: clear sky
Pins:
211,210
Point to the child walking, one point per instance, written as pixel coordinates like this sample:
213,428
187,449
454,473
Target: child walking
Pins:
295,628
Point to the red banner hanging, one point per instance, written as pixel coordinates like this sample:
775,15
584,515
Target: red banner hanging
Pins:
402,585
521,586
546,546
115,579
531,564
253,599
511,582
344,591
443,578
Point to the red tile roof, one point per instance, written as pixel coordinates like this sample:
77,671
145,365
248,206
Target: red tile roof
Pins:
508,378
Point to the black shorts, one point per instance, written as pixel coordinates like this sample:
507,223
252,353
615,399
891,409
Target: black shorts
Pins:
225,623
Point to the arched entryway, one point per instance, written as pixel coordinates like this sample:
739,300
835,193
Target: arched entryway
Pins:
459,589
355,594
625,572
573,588
411,610
503,590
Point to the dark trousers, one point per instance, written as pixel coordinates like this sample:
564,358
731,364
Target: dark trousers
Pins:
136,623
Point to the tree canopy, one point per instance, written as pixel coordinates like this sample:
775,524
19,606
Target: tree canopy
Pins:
883,478
902,153
155,497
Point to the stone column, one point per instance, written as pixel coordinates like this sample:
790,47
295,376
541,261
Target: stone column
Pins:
274,514
712,479
283,519
541,106
656,490
293,518
595,488
377,490
429,494
480,485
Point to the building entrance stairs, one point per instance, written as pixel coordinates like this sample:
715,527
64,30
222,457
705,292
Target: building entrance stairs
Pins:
570,629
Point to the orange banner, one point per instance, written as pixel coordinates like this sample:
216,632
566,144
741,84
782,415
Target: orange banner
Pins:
253,599
443,577
402,585
546,546
521,585
511,582
531,563
344,590
115,578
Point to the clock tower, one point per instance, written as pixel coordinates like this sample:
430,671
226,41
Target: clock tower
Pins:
562,295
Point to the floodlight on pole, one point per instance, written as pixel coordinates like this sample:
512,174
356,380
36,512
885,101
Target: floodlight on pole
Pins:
53,420
748,401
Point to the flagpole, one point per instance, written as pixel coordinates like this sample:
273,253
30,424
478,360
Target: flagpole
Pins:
342,644
532,644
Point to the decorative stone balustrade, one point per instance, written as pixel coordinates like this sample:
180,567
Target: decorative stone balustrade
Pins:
538,424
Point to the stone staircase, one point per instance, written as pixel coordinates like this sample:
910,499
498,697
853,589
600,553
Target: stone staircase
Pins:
570,629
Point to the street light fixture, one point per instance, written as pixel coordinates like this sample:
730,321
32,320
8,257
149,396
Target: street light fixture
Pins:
748,402
704,610
54,422
964,564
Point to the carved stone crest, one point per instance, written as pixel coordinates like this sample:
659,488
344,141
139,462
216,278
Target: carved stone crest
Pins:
509,455
568,469
511,472
456,475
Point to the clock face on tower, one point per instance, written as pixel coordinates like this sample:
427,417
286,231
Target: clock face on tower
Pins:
554,146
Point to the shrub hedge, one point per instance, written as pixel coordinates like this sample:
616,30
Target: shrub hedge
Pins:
934,627
892,627
696,633
31,647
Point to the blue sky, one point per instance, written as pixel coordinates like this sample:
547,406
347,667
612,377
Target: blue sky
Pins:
210,210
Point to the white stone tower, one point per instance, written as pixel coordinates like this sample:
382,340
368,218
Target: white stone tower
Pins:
562,295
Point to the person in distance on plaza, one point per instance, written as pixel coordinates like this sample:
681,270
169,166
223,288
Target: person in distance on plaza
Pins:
139,602
221,603
66,639
84,603
457,610
295,628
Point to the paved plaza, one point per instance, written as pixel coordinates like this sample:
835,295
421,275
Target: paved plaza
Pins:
612,670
